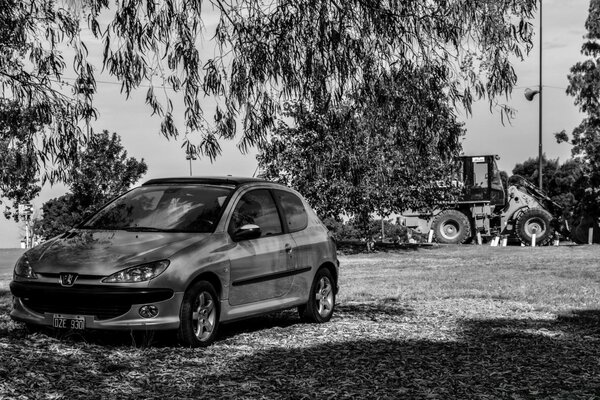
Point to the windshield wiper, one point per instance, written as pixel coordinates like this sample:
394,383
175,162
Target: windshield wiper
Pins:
141,229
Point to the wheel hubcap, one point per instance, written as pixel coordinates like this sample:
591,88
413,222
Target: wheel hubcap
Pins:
324,297
203,316
535,226
450,230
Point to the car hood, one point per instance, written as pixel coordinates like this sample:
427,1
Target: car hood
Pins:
102,252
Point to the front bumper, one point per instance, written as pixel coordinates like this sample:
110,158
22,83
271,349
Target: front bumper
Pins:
111,308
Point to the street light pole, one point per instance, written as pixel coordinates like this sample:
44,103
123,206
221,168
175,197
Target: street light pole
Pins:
529,95
540,164
190,156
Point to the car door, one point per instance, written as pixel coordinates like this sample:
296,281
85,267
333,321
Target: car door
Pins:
260,267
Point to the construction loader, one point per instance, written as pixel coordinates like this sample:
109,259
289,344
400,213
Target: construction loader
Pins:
487,210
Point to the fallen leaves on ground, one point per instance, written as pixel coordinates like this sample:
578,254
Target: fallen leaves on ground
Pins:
368,350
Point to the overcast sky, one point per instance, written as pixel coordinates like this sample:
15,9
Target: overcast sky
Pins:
563,31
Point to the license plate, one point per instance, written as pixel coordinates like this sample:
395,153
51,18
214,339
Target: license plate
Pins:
68,321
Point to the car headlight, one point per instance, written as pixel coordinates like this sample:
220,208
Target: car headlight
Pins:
23,269
139,273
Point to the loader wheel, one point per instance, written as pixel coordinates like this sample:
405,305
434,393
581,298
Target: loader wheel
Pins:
538,221
451,227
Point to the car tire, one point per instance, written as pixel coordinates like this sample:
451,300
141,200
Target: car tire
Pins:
451,227
321,301
199,315
538,221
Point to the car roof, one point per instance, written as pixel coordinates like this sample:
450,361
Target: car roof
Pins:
211,180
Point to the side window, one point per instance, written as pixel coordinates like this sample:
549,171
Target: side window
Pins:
480,178
294,211
256,207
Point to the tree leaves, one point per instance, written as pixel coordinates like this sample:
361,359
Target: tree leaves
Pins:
31,70
258,56
378,152
288,50
101,171
584,86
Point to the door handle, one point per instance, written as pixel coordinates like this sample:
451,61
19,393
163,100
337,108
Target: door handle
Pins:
288,248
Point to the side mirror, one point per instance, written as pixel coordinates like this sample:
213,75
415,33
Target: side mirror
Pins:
247,232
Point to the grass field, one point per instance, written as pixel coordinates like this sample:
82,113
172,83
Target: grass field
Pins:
447,322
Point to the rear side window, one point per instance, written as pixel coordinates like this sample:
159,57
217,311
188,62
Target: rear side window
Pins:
257,208
293,208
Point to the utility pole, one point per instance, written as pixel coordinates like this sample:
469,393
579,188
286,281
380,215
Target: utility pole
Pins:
189,155
529,95
540,164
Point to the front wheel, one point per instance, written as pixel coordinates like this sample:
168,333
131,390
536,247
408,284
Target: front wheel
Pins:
199,316
535,221
321,301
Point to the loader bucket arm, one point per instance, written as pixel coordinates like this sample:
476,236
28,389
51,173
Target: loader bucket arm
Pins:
560,224
536,193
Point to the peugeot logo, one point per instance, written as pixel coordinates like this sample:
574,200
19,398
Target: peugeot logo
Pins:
67,279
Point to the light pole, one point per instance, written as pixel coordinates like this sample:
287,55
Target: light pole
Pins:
529,95
189,155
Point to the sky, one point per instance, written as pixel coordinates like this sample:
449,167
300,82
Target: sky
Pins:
563,32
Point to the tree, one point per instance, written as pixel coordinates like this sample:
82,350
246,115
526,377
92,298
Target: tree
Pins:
32,34
18,165
584,86
101,172
264,53
529,170
381,151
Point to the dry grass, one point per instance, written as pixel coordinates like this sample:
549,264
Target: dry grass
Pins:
449,322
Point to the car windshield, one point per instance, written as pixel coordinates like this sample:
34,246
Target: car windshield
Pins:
175,208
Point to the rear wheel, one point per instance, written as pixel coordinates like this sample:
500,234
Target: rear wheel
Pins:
321,301
535,221
451,227
199,316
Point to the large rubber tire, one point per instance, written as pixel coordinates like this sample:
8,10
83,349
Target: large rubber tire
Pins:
538,221
199,315
321,301
451,227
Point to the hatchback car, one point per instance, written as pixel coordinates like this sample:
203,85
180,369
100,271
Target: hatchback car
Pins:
182,254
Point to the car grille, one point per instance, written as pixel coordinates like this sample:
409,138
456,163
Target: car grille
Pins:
103,302
100,311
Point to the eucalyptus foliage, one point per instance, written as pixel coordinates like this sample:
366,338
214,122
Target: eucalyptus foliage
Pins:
18,164
251,55
33,35
266,51
39,114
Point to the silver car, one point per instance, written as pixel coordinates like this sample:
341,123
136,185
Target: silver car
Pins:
182,254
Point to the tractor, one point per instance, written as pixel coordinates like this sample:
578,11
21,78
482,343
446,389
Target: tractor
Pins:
486,209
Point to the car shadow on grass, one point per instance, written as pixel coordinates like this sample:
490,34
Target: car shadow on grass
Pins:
496,358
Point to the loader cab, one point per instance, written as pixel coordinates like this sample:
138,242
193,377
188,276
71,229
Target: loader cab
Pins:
482,181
